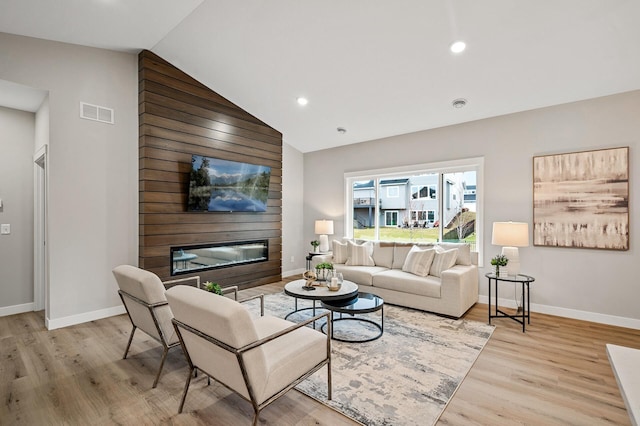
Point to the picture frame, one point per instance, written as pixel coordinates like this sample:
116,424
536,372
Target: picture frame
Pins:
581,199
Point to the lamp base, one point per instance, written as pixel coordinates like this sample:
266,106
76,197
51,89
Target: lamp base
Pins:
513,266
324,243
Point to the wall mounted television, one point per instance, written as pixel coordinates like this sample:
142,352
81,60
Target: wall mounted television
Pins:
217,185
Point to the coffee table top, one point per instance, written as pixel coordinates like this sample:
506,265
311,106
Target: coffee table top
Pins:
361,304
294,288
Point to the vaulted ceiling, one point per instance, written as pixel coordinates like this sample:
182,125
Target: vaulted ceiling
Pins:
376,68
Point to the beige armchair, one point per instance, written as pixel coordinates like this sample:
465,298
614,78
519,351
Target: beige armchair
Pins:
259,358
142,294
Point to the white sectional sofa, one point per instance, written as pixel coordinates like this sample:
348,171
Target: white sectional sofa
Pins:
440,278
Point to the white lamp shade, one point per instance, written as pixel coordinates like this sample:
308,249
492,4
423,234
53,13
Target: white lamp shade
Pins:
324,227
510,234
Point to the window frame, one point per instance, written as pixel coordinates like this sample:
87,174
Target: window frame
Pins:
441,168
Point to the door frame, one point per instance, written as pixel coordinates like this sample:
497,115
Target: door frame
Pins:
40,249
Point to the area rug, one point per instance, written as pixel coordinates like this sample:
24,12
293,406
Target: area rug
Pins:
406,377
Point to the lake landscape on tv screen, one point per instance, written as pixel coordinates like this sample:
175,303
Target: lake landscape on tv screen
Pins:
217,185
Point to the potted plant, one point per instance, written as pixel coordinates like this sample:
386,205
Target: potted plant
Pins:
324,271
498,261
315,244
213,287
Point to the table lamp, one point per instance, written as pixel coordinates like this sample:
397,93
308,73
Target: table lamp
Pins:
511,235
324,228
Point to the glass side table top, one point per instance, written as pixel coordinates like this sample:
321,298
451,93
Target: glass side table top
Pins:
512,278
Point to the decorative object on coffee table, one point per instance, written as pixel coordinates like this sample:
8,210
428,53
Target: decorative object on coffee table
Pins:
324,271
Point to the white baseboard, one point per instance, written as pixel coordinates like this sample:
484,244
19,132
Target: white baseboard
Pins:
571,313
52,324
16,309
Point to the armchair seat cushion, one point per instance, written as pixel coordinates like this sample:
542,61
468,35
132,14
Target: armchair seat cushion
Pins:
288,357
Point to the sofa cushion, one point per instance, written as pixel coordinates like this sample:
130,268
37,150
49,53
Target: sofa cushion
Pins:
360,254
405,282
359,274
464,252
340,252
400,252
383,254
443,260
418,261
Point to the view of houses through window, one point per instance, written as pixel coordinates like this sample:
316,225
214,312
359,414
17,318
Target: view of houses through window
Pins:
416,207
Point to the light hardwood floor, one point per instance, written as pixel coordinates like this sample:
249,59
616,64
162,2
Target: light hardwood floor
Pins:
557,373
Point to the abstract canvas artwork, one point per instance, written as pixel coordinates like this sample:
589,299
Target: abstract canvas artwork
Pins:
581,199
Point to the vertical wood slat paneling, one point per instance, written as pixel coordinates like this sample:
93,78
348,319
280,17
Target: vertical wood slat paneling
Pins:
179,117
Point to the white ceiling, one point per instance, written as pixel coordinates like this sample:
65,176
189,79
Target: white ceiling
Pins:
375,67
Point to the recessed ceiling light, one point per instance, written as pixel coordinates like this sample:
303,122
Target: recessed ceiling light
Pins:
302,101
458,46
459,103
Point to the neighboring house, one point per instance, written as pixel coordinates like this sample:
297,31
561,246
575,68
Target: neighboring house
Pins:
407,201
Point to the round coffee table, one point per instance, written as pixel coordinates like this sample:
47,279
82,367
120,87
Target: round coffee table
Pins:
295,289
363,303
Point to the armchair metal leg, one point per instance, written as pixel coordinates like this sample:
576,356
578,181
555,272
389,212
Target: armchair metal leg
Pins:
255,418
164,357
186,388
133,330
329,386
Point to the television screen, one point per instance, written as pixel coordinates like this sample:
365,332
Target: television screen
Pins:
217,185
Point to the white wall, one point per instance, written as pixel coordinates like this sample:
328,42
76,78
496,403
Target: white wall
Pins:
293,244
93,180
17,129
599,285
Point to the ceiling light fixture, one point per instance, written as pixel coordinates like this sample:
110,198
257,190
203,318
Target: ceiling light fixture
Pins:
341,130
459,103
302,101
458,46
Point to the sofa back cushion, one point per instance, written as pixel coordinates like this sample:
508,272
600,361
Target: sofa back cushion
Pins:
360,254
443,260
400,252
383,254
418,261
340,252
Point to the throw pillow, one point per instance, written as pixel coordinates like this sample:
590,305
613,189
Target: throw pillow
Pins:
464,252
360,255
340,252
443,260
418,261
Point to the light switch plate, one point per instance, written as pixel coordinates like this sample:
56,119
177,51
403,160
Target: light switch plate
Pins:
5,229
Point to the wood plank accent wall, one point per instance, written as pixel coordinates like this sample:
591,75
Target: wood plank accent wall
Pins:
179,117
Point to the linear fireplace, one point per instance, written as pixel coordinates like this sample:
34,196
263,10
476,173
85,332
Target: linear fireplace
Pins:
202,257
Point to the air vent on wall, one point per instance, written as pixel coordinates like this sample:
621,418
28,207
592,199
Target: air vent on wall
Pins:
96,113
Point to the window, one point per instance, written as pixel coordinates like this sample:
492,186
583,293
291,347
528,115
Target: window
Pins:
423,191
391,218
417,213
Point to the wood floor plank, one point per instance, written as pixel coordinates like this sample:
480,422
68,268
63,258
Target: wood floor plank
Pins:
557,373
